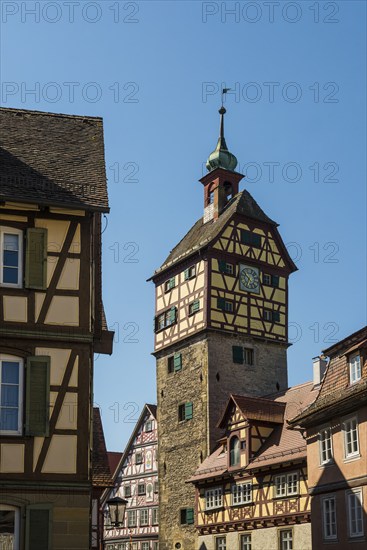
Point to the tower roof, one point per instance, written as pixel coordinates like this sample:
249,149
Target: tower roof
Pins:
221,157
201,234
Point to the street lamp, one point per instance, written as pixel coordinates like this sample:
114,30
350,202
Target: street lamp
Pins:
116,510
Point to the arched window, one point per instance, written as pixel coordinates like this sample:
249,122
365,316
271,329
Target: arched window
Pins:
234,451
228,190
210,199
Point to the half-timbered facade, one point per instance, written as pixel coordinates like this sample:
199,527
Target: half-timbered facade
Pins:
335,427
136,480
52,196
252,492
220,327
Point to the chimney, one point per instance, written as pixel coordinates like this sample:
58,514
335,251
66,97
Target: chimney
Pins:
319,368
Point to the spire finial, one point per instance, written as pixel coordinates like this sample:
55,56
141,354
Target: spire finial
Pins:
221,157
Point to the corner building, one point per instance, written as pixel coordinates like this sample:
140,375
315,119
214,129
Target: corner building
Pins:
220,328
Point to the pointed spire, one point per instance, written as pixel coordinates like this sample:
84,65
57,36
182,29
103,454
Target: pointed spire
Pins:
221,157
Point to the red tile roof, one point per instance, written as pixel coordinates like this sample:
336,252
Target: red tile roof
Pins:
101,475
254,408
282,445
113,461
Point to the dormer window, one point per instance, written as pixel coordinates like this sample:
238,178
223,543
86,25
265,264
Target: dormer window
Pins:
234,451
355,371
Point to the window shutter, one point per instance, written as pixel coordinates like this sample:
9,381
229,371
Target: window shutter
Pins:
154,324
37,395
237,353
196,305
189,516
177,362
245,236
222,266
276,316
172,282
187,274
221,303
38,528
188,410
173,312
36,258
275,280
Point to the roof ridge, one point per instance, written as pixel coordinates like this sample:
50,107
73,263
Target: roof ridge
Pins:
49,113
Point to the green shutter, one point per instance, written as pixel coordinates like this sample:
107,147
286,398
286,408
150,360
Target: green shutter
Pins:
187,274
37,395
275,280
245,236
38,527
36,258
172,317
276,316
154,324
189,516
188,410
222,264
196,305
237,353
177,362
221,303
172,282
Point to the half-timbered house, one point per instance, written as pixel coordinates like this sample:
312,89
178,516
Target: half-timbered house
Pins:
335,427
53,193
136,480
252,492
220,327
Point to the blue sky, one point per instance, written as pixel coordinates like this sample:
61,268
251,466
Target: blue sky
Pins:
296,122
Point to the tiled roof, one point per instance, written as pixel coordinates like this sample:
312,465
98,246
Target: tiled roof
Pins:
202,234
52,159
254,408
101,475
113,461
281,446
336,386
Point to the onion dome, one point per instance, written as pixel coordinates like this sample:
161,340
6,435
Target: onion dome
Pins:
221,157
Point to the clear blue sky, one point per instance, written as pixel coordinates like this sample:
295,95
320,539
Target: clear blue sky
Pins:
153,71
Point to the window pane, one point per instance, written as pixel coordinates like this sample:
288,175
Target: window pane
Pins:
10,372
10,258
9,396
7,529
10,275
11,242
9,419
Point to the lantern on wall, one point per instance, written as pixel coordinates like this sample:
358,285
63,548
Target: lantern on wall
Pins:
116,510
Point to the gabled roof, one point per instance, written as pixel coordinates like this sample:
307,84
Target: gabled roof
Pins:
201,234
282,445
148,408
52,159
101,475
254,408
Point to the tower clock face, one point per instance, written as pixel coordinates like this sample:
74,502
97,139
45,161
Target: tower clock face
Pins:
249,278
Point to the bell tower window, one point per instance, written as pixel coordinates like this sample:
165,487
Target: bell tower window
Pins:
228,191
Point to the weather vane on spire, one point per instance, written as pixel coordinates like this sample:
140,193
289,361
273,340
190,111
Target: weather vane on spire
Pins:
224,91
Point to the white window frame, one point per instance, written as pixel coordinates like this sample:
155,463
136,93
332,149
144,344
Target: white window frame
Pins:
19,233
284,542
345,423
220,542
283,484
145,546
19,360
144,522
241,493
16,523
358,495
213,498
245,541
355,368
148,426
326,445
134,522
155,516
332,524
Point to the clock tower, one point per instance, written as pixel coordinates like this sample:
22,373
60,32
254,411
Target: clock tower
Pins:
220,327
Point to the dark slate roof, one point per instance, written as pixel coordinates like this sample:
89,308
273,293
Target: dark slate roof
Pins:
101,475
202,234
52,159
